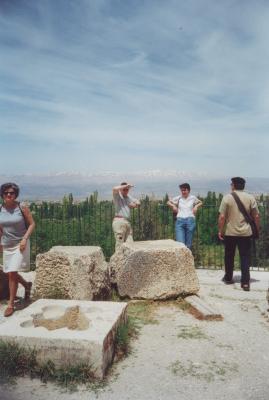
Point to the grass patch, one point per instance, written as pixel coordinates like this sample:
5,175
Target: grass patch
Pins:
139,313
191,332
183,304
225,346
207,371
114,295
69,376
17,361
125,333
142,312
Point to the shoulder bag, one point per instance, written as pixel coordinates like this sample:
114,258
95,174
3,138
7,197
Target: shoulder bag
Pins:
248,218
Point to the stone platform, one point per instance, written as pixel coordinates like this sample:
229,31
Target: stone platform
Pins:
68,332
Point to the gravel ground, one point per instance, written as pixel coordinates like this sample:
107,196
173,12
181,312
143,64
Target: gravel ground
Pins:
182,358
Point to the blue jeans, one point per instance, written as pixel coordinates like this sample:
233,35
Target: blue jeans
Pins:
185,228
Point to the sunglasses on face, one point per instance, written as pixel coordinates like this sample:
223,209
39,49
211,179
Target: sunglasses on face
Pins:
11,193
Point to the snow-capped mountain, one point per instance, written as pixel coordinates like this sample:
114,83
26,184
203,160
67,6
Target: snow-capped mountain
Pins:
54,186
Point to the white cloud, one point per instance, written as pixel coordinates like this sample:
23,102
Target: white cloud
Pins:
154,85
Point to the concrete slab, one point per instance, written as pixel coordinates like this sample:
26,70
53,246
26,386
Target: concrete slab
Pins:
203,310
68,342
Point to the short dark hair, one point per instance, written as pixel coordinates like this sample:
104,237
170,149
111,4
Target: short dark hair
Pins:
185,186
238,182
123,183
9,185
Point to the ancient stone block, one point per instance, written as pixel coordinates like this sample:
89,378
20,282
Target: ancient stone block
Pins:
72,272
57,339
159,269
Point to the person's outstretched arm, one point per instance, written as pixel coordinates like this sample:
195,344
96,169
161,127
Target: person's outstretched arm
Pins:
116,189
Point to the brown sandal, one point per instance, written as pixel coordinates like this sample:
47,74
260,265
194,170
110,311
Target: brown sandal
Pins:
245,287
9,311
28,291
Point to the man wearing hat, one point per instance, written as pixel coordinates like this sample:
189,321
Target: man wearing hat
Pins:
235,229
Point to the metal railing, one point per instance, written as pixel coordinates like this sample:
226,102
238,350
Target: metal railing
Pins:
90,223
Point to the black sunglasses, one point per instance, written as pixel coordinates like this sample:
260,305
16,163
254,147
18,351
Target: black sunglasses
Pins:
6,193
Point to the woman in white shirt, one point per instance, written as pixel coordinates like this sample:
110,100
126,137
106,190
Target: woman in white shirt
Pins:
186,206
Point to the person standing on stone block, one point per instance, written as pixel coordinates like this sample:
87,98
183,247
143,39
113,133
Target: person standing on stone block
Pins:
235,231
185,206
16,226
123,203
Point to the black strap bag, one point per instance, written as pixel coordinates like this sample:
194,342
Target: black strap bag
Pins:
248,218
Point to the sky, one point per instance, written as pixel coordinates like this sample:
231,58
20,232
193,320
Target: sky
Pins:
119,85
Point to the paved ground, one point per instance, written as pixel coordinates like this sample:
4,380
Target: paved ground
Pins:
187,359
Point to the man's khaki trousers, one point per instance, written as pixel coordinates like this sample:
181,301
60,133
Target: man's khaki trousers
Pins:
122,231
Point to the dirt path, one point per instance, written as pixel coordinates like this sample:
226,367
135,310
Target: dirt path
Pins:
182,358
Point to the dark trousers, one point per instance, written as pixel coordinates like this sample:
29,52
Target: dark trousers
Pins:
244,247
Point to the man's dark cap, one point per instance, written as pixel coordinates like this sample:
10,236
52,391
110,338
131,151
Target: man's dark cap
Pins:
237,180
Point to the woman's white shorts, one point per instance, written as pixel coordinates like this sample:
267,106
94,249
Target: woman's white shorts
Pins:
15,260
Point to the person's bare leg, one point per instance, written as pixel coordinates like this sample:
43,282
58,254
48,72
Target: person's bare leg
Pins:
13,287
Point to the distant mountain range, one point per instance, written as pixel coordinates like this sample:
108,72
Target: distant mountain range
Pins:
153,183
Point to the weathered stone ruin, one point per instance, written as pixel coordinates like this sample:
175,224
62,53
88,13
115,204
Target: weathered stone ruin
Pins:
72,272
159,269
68,332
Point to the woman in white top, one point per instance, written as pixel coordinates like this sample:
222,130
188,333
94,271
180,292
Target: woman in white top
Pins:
16,226
186,206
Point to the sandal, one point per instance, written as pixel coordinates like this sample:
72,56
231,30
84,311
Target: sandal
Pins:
9,311
28,291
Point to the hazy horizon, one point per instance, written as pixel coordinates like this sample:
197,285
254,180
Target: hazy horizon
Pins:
55,187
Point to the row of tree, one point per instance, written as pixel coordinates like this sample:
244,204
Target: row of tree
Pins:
89,222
